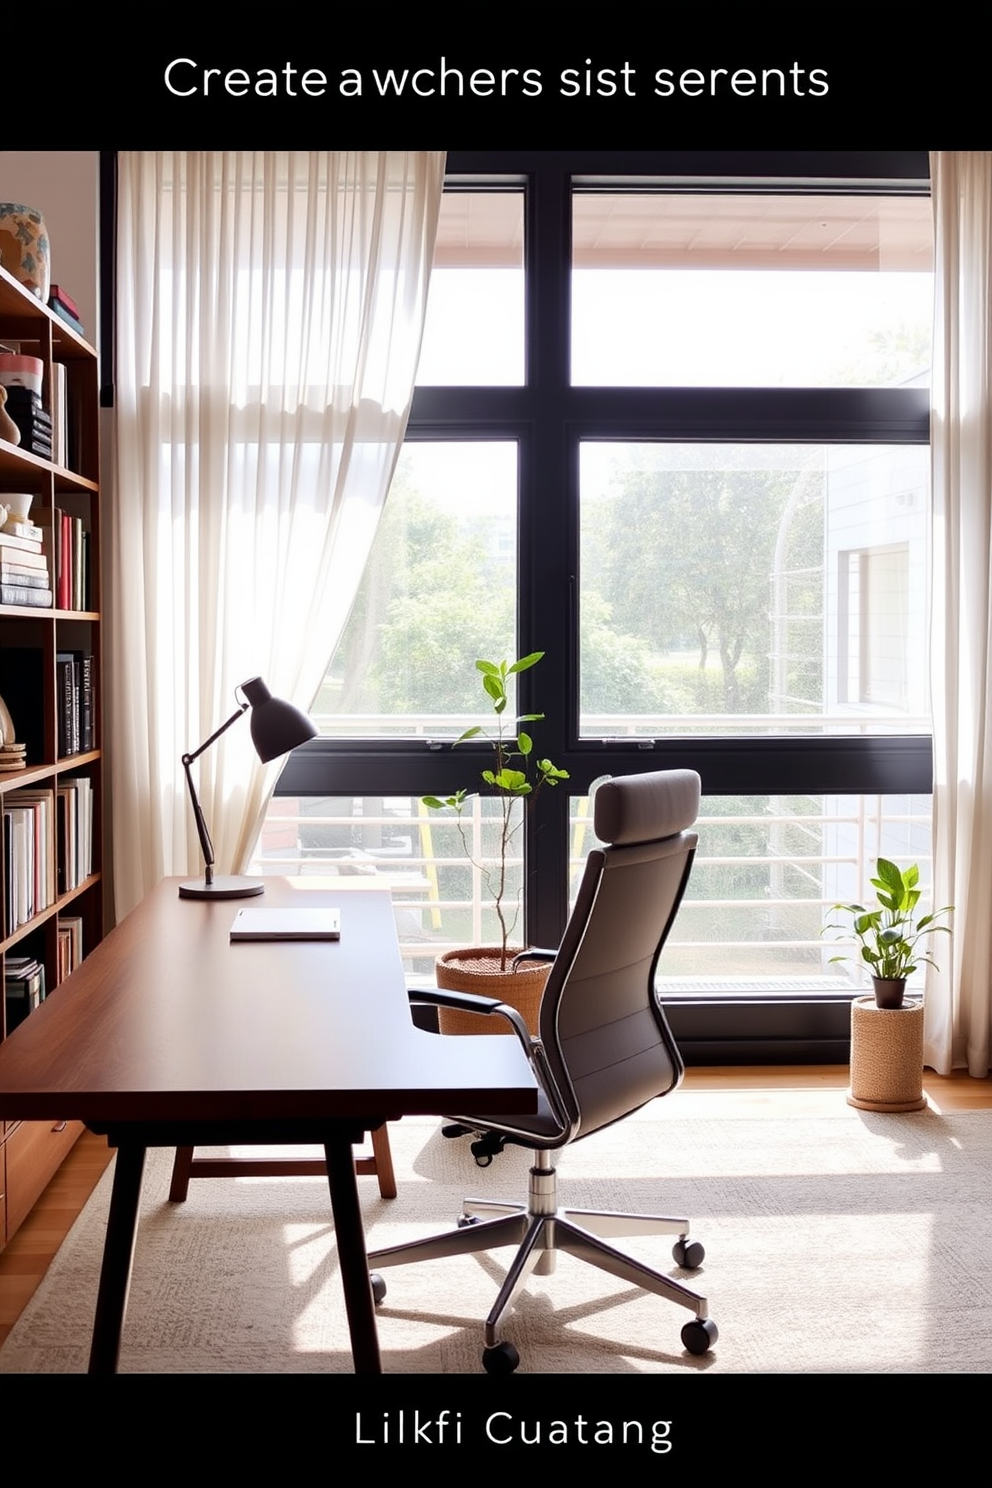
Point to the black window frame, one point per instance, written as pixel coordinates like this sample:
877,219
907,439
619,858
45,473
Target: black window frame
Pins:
548,417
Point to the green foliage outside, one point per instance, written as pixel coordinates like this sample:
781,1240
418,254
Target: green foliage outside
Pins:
679,564
675,620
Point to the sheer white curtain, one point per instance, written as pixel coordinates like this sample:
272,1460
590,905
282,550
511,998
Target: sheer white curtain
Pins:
270,311
959,998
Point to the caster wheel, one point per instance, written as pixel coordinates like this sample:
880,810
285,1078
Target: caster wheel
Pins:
482,1154
502,1358
378,1287
688,1253
464,1220
699,1336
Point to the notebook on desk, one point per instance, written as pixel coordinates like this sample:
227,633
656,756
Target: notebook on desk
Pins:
287,924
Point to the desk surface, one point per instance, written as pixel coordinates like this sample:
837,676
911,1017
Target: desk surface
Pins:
167,1020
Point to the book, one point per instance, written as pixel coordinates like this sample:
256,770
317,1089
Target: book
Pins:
287,924
74,831
70,944
64,298
39,863
60,404
87,708
24,557
16,528
31,578
67,703
22,544
70,319
17,594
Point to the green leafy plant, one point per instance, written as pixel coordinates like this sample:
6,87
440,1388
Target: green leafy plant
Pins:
517,774
890,934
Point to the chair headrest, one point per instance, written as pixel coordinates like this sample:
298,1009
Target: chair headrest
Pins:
645,808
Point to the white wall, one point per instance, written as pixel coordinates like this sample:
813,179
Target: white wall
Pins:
64,186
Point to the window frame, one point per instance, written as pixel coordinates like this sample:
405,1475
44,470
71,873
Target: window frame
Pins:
548,417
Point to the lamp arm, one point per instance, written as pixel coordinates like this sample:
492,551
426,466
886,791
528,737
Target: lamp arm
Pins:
242,708
206,846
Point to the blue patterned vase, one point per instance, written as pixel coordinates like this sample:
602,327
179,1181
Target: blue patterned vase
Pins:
24,247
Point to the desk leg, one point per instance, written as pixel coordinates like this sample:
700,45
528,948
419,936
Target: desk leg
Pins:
118,1254
350,1236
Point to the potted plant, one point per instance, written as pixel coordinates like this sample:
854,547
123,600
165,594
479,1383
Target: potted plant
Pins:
517,773
890,934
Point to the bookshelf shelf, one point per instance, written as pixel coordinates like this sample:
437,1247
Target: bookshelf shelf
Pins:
51,888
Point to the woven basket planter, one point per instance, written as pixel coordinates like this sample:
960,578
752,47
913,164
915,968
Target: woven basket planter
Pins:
886,1057
477,970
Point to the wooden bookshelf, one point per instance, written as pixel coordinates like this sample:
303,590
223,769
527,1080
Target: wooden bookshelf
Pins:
36,681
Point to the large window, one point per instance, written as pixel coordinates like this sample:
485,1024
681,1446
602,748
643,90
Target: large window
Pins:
670,429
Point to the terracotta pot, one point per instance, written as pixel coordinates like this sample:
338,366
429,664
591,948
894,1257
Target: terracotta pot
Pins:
476,969
889,991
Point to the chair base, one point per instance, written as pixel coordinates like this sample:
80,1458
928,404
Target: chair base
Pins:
539,1229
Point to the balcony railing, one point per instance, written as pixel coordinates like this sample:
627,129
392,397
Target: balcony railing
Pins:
848,719
764,880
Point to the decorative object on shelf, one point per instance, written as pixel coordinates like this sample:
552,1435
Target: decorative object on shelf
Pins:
7,732
8,429
889,934
24,572
14,505
276,728
516,775
886,1056
23,378
24,249
17,371
13,756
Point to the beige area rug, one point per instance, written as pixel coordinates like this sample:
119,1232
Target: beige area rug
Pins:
843,1241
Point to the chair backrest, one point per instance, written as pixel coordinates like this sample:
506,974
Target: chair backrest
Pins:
604,1032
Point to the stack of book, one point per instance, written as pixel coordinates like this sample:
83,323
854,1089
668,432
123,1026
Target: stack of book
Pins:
25,577
29,861
65,308
23,986
34,421
74,828
74,702
69,546
70,948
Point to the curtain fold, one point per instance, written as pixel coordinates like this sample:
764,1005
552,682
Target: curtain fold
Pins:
959,997
270,312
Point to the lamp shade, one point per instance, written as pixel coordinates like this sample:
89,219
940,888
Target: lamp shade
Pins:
276,726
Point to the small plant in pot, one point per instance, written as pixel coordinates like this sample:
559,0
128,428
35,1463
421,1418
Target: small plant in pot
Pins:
517,774
889,935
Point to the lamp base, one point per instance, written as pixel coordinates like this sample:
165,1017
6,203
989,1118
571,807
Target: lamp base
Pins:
231,887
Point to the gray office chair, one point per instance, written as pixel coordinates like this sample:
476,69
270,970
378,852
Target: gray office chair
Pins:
604,1050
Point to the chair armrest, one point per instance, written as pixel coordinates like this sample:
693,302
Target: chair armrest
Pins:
534,954
470,1002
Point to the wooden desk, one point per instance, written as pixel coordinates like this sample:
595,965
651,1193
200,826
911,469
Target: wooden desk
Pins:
169,1035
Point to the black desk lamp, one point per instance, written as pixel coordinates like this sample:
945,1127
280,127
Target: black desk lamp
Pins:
276,728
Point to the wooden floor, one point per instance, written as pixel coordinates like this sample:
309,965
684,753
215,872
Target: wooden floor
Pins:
791,1088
